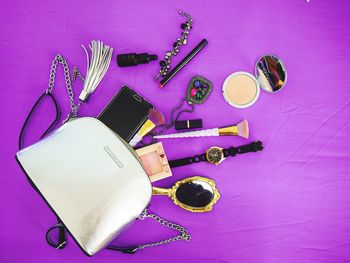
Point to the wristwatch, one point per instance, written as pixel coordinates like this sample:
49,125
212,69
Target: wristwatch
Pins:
215,155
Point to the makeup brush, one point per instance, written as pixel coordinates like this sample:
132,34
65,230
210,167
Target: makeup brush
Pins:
240,129
155,118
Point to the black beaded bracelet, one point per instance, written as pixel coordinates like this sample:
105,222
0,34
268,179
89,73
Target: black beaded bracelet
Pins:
182,40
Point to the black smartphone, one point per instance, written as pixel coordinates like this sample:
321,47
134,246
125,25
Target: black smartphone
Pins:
126,113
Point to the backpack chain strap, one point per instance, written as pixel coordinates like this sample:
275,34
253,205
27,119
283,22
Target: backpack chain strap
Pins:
184,235
74,106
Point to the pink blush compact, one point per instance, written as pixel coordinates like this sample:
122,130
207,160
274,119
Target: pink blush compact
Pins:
154,161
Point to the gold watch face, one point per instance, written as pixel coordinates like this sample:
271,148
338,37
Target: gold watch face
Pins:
215,155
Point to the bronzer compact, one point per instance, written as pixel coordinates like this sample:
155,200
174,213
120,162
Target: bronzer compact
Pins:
154,161
242,89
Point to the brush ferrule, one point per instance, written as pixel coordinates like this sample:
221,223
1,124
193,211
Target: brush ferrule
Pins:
146,128
227,131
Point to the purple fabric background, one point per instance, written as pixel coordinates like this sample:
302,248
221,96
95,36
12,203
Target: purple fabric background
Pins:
289,203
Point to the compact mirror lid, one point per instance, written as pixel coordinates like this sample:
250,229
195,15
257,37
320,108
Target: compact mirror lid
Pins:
271,73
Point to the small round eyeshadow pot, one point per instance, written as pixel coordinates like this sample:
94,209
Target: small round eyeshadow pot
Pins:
241,89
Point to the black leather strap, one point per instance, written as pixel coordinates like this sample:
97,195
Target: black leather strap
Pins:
232,151
126,250
62,239
187,161
252,147
36,104
62,236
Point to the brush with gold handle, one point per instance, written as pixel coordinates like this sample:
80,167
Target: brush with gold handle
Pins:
240,129
155,118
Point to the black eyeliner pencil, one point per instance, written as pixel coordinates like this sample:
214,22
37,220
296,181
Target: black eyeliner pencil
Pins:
183,63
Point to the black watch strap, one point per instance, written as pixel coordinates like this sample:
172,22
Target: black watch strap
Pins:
252,147
232,151
187,161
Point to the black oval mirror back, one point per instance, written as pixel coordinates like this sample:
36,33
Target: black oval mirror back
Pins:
195,193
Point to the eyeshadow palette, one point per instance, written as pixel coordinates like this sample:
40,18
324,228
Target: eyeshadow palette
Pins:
154,161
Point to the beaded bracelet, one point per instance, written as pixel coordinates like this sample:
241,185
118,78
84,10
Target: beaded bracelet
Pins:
165,64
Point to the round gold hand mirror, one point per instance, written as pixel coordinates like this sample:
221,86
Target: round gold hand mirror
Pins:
195,194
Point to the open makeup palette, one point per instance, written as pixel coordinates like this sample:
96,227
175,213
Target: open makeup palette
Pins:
154,161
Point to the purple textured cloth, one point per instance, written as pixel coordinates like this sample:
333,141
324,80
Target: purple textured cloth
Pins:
289,203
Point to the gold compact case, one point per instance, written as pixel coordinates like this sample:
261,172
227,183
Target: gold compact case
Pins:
194,194
242,89
154,161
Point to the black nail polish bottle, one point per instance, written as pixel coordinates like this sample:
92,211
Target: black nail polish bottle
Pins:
133,59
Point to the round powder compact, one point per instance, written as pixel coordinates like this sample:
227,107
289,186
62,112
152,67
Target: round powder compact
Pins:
241,89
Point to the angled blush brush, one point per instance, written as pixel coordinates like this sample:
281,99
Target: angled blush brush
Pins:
240,129
155,118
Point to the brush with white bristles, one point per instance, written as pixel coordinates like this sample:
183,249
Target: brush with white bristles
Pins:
240,129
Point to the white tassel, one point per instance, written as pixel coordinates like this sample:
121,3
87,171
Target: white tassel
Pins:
97,66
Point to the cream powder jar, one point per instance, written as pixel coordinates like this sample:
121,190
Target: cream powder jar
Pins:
241,89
